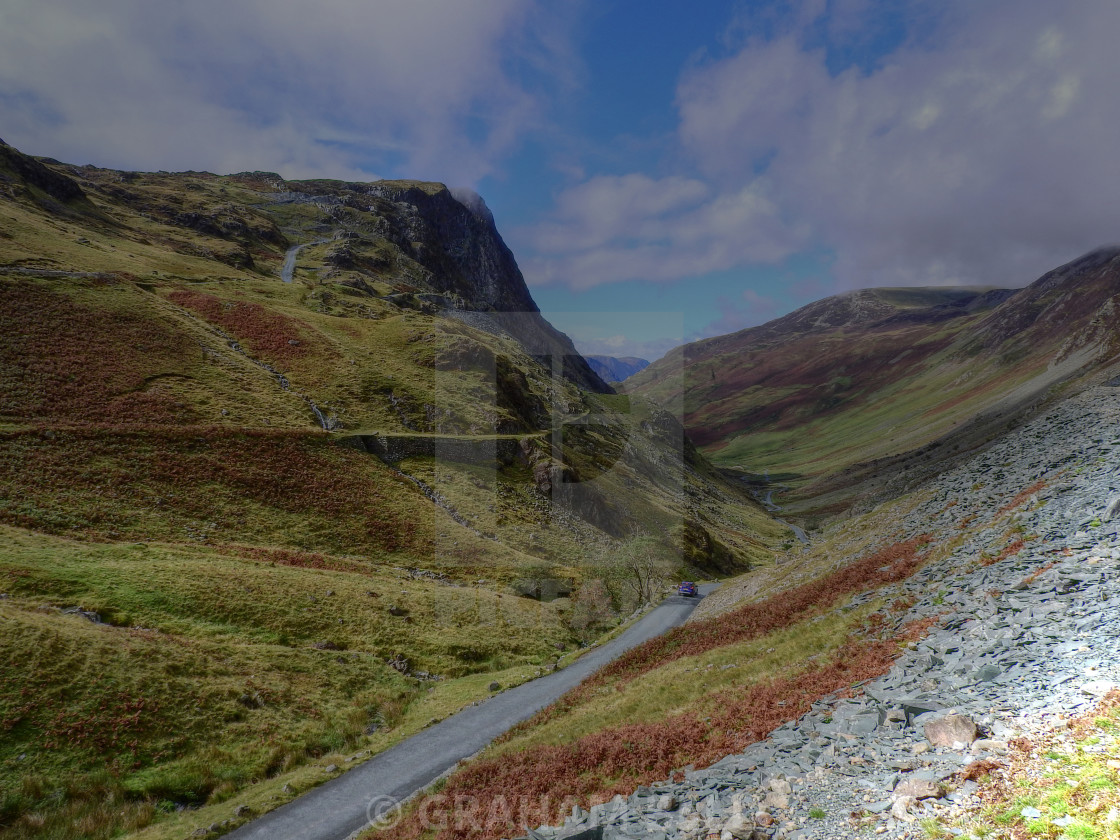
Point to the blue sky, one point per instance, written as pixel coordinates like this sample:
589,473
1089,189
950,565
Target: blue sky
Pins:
662,170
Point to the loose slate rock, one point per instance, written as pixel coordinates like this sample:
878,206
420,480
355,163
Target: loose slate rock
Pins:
1099,688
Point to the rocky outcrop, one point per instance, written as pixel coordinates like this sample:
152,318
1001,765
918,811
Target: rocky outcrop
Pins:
481,451
20,170
463,259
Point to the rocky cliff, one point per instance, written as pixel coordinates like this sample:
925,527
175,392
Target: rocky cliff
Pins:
451,237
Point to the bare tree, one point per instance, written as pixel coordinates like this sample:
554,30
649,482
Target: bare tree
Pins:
642,566
591,608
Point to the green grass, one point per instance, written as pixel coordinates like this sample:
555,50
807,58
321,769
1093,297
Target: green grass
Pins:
690,684
878,427
207,680
1069,776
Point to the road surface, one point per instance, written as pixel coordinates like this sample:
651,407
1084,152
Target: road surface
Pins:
343,806
289,268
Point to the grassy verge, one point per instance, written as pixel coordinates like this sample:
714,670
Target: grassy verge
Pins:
215,675
1065,784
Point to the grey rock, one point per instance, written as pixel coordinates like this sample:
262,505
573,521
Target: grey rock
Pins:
918,788
901,808
1099,688
949,730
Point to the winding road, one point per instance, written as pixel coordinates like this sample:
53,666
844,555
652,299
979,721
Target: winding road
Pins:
346,804
289,268
767,502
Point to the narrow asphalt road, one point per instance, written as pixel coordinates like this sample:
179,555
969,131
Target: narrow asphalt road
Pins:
337,809
289,268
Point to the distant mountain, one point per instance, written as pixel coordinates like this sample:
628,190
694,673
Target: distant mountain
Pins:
613,369
880,374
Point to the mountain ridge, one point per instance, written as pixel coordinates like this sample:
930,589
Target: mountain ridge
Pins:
867,377
446,248
615,368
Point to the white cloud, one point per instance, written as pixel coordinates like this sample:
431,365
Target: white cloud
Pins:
748,310
633,227
981,149
984,154
645,334
305,88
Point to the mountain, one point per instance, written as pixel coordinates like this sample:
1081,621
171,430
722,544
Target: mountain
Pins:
163,308
794,691
863,386
613,369
288,469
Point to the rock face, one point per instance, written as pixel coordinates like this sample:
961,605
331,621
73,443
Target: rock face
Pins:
17,168
465,261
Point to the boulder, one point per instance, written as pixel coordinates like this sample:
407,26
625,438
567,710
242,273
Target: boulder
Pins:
775,800
918,788
1099,688
901,808
739,827
950,729
781,786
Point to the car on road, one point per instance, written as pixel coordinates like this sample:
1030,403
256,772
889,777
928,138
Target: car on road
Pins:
688,588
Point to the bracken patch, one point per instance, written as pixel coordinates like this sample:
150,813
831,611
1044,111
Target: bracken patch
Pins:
60,360
269,335
155,484
887,565
612,761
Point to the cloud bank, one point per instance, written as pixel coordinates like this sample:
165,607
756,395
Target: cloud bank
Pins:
979,148
338,88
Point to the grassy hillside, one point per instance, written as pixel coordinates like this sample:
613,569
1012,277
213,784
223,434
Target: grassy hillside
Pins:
208,669
859,385
294,487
